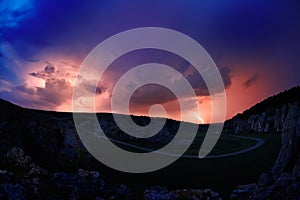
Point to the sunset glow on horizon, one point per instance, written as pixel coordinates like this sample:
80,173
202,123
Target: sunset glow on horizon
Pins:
255,46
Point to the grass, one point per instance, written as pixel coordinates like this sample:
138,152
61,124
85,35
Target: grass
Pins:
226,144
220,174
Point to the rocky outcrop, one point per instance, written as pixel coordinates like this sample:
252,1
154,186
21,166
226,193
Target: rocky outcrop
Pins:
244,191
296,170
272,119
265,179
282,181
34,182
162,193
9,188
266,116
280,117
286,186
256,123
156,193
237,125
290,142
17,155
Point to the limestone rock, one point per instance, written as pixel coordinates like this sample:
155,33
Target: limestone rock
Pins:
17,155
161,193
243,192
265,179
278,184
286,187
291,143
5,176
155,193
11,191
296,170
194,194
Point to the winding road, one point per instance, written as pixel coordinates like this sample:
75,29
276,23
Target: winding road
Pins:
259,142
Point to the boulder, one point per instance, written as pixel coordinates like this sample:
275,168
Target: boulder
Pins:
285,187
193,194
155,193
11,191
265,179
243,191
161,193
18,156
84,184
5,176
296,170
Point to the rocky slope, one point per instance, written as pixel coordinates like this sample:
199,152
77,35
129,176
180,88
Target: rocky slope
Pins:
41,156
268,115
26,180
277,114
283,180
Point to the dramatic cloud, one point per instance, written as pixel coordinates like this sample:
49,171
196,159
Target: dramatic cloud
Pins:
199,85
54,90
153,93
248,36
45,74
250,81
148,95
156,94
89,86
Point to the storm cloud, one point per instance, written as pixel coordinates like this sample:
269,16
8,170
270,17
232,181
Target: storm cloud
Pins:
250,81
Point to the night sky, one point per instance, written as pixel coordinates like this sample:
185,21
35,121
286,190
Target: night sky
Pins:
255,44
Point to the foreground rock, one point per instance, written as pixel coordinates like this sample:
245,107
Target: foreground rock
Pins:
162,193
33,182
285,187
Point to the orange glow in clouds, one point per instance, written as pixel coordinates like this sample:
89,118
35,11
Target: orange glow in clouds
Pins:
239,98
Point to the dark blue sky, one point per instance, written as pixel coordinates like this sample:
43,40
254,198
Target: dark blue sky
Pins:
257,41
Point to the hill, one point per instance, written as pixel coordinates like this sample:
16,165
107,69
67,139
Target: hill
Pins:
267,115
276,101
41,156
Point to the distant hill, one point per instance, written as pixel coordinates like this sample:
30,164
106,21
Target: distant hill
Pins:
53,133
267,115
275,101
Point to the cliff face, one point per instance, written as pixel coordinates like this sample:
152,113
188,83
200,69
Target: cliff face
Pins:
279,114
266,116
290,151
283,180
270,120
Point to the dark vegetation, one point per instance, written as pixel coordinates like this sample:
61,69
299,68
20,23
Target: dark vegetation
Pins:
288,96
41,135
51,141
